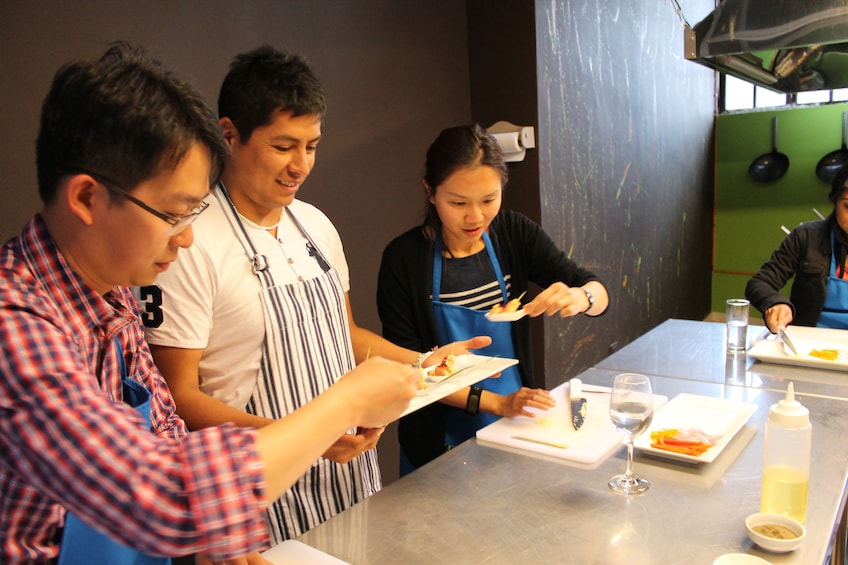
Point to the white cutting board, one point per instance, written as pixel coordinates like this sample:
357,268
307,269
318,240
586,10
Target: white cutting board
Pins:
293,552
587,447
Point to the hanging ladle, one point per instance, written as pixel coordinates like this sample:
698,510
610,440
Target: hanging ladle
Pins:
771,166
833,161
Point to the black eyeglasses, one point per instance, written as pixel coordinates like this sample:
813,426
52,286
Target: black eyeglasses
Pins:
178,223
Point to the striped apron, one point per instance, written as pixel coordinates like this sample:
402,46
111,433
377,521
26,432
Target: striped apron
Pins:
307,348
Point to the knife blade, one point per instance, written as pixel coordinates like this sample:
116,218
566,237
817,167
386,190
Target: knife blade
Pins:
785,339
578,403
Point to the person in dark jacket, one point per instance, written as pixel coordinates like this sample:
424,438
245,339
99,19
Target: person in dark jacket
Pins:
438,281
815,254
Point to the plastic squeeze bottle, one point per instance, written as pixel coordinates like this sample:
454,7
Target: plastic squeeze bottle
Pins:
786,458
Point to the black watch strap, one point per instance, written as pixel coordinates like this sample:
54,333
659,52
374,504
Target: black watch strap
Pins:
472,406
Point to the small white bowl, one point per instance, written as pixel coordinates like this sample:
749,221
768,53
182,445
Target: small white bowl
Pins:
772,543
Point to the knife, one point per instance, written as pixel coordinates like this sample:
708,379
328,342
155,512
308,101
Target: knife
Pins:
785,339
578,403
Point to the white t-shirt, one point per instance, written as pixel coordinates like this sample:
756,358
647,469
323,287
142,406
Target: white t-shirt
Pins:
210,298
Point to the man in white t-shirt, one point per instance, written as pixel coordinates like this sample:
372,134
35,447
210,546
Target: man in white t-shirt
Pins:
255,318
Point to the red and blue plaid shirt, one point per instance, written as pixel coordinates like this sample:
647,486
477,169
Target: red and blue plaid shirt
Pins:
68,442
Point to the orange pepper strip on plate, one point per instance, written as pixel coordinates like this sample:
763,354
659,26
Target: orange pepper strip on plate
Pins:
827,354
665,439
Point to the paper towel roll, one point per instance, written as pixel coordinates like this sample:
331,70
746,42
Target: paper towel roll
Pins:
509,142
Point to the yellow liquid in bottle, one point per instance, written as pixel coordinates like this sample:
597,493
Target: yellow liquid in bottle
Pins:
785,492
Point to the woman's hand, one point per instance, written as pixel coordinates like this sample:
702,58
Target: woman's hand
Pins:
778,317
456,348
516,404
558,298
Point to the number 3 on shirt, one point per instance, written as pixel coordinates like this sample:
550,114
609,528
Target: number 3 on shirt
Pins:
151,296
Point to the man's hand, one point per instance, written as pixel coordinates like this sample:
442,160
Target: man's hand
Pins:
378,390
350,446
778,317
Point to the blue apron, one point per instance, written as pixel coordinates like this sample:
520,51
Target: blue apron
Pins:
457,323
82,544
835,312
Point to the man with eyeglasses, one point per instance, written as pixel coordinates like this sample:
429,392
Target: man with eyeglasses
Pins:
95,465
255,319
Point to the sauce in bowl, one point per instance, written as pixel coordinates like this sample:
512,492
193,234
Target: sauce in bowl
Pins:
775,531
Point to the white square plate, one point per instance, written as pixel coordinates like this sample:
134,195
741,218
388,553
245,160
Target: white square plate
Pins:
469,369
805,339
716,417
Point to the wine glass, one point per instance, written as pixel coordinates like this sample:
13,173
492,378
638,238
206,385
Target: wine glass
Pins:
631,410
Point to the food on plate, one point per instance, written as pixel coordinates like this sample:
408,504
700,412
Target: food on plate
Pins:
826,354
687,442
445,368
422,382
508,308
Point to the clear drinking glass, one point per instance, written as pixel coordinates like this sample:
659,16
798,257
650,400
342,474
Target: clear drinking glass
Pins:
631,410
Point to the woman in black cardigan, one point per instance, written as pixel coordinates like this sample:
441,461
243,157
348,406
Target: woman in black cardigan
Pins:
814,254
478,256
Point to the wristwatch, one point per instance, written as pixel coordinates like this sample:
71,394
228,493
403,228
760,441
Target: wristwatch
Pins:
472,406
590,298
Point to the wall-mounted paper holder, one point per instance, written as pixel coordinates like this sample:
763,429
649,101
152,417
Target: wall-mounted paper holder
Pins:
514,140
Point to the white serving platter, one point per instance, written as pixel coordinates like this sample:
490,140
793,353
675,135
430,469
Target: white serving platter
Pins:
469,369
717,417
805,339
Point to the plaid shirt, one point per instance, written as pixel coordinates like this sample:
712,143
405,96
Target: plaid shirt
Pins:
68,442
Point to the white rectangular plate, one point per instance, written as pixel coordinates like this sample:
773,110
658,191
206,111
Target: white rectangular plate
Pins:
805,339
469,369
716,417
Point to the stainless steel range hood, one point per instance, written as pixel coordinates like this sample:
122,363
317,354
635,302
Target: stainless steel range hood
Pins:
784,45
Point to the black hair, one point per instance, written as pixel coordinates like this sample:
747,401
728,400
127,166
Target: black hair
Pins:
265,81
124,116
457,148
839,186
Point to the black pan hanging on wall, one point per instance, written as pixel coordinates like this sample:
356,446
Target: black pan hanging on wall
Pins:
833,161
770,166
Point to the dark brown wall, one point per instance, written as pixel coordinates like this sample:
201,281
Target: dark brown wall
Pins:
622,176
391,86
502,61
395,73
625,143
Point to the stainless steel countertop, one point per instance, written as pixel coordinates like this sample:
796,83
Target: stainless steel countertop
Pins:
695,351
478,504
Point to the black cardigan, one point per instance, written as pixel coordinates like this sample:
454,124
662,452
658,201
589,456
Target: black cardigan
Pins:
405,285
805,254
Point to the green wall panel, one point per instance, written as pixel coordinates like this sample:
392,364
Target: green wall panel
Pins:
749,214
